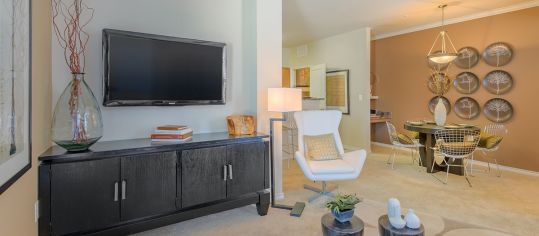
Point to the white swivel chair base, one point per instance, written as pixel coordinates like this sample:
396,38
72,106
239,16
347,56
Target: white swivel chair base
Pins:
324,191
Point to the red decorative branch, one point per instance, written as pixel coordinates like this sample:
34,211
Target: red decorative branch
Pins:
69,19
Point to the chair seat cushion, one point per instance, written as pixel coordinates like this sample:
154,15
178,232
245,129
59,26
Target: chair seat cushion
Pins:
338,166
404,139
489,141
458,148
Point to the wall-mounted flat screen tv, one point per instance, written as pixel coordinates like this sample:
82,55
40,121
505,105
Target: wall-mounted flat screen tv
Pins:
151,70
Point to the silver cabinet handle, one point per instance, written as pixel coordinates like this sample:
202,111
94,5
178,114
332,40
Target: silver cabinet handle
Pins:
230,171
124,183
224,171
115,191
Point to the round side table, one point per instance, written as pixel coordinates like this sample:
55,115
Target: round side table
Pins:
385,229
332,227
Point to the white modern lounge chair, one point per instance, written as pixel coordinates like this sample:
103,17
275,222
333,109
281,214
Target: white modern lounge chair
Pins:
349,167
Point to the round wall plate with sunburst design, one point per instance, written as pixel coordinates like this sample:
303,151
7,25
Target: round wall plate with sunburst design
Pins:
467,108
498,54
498,110
468,58
466,83
498,82
439,83
434,101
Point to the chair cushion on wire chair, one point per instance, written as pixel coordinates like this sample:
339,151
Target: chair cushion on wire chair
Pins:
458,148
404,139
489,141
321,147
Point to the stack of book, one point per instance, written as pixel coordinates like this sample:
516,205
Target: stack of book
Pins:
171,133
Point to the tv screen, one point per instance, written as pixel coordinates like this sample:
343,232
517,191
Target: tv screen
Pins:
152,70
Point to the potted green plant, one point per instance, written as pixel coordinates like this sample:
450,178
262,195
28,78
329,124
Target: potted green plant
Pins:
342,206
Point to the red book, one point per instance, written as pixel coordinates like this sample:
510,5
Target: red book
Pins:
171,136
171,127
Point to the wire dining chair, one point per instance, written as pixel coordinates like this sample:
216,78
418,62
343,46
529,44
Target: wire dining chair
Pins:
491,129
396,143
291,130
455,144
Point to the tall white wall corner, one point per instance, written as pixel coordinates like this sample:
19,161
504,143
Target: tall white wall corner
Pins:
269,72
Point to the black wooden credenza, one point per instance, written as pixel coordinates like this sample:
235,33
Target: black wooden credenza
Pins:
128,186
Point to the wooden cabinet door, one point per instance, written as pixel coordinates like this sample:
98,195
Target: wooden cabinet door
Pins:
202,175
149,183
247,168
303,77
83,195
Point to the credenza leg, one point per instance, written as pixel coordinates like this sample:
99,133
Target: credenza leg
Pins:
263,202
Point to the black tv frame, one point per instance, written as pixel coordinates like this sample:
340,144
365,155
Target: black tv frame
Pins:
106,72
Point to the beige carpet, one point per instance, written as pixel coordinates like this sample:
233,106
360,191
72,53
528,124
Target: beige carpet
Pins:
493,206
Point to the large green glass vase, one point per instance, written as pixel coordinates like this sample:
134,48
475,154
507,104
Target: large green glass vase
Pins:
77,123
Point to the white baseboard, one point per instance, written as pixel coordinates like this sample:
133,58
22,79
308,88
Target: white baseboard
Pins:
508,168
279,196
480,163
351,147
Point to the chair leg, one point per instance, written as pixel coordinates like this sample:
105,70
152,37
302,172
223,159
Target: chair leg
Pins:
324,191
413,156
466,172
393,159
390,153
498,167
446,173
432,168
419,157
471,165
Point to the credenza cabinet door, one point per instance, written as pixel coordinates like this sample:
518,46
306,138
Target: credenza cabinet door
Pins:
203,175
84,195
247,164
148,185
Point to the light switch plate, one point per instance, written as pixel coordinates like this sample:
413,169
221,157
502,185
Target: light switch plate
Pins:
360,97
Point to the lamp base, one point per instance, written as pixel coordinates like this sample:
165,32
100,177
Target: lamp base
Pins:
297,209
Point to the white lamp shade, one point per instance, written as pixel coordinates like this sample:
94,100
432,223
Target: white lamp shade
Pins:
284,99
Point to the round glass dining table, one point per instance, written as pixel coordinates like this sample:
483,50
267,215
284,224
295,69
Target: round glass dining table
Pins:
426,138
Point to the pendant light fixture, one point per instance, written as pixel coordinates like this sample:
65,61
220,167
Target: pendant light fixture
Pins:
442,56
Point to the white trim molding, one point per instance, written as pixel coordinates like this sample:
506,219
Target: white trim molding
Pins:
488,13
475,162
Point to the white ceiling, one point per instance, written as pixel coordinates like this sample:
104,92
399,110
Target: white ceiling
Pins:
308,20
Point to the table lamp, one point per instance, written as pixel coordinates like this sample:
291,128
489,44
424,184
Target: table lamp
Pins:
283,100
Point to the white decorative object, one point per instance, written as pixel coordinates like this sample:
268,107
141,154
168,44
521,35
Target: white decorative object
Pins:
394,213
440,113
412,221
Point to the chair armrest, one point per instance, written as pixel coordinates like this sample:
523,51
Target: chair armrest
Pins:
302,162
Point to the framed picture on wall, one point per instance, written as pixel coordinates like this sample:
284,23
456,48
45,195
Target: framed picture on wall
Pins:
337,91
15,92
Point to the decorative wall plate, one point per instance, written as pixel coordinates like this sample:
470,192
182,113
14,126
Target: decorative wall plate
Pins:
439,83
434,100
467,108
468,58
436,67
466,83
498,110
498,54
498,82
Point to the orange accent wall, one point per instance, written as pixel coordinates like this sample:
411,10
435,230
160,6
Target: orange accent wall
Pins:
401,72
17,202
